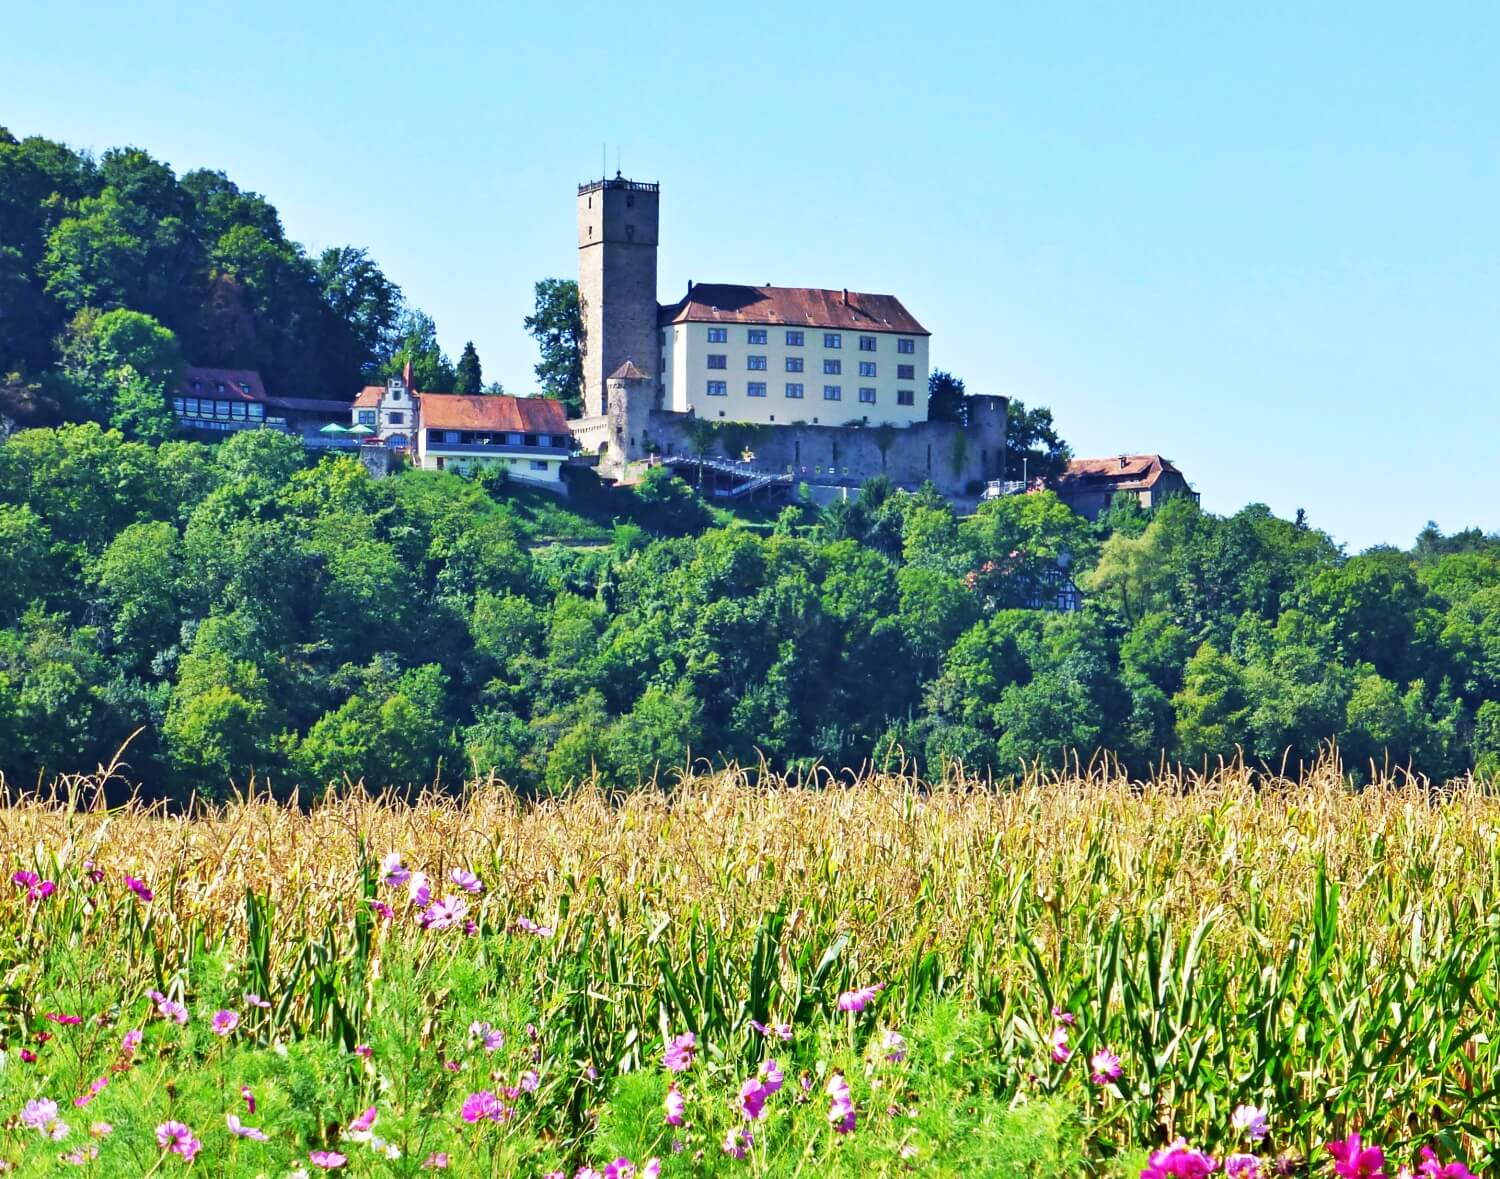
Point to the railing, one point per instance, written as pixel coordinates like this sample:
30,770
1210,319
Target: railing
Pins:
617,182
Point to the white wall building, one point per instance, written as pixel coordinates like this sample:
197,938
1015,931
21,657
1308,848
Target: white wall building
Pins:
793,354
390,410
527,436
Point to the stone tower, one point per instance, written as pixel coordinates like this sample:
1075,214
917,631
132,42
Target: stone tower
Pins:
617,228
629,398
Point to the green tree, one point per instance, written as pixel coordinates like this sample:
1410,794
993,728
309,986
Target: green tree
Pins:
1033,449
945,398
557,326
470,377
417,345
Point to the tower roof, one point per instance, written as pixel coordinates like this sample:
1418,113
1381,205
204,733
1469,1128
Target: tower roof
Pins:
628,372
717,302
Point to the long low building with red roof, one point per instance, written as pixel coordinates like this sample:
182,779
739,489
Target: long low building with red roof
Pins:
1089,485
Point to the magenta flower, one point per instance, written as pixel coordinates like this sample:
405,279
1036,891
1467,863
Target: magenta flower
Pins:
169,1008
752,1100
362,1124
530,1081
419,889
652,1169
240,1130
100,1129
35,1114
146,896
492,1038
255,1000
329,1160
676,1105
1430,1168
224,1022
859,998
81,1156
771,1076
436,1161
28,1056
1352,1159
782,1031
737,1142
679,1052
364,1051
1242,1166
1106,1066
393,872
383,909
485,1106
59,1017
466,880
175,1138
1179,1161
841,1104
621,1168
1063,1017
1061,1053
131,1040
527,925
893,1047
92,872
36,888
96,1087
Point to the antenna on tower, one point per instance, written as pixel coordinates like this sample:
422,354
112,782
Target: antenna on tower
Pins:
617,158
603,158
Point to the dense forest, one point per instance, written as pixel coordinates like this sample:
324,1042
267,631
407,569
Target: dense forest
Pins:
249,612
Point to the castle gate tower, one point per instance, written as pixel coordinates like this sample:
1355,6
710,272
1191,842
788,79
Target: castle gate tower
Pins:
617,227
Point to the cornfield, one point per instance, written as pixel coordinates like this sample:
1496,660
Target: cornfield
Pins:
1235,940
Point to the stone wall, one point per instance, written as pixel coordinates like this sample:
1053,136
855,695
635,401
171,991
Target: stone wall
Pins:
957,459
617,236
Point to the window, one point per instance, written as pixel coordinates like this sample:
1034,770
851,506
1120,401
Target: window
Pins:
538,465
453,436
794,364
717,360
221,408
219,386
833,368
177,405
905,397
832,340
756,363
867,343
396,419
544,439
794,390
867,368
755,335
906,347
237,410
530,439
514,439
367,417
867,396
755,389
191,407
794,339
245,388
832,393
718,389
906,372
257,412
718,335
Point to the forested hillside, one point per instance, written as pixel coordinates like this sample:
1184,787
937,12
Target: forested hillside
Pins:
250,613
114,272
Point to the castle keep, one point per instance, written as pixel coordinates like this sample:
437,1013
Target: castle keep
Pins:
807,384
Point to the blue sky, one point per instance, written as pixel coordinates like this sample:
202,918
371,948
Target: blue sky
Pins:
1263,240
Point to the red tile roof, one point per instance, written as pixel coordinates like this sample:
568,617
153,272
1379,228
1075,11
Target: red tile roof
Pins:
369,397
457,411
794,306
628,372
1124,472
209,379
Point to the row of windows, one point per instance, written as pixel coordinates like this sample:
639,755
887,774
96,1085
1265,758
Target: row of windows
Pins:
831,368
483,438
241,411
219,387
794,392
393,417
719,335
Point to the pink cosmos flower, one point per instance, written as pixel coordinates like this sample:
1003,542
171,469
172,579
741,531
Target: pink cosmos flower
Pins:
1352,1159
1106,1066
419,889
444,914
59,1017
1066,1018
530,1081
1250,1121
466,880
782,1031
131,1040
1242,1166
1179,1161
82,1156
527,925
652,1169
364,1051
249,1099
771,1076
255,1000
679,1052
393,872
36,888
675,1104
35,1114
737,1142
1061,1053
621,1168
100,1129
28,1056
224,1022
485,1106
176,1138
138,887
752,1100
362,1124
841,1104
436,1161
240,1130
492,1038
93,872
893,1046
169,1008
859,998
96,1087
383,909
328,1160
1430,1168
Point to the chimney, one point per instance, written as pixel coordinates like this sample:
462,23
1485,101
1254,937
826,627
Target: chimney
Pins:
1122,462
690,286
846,296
